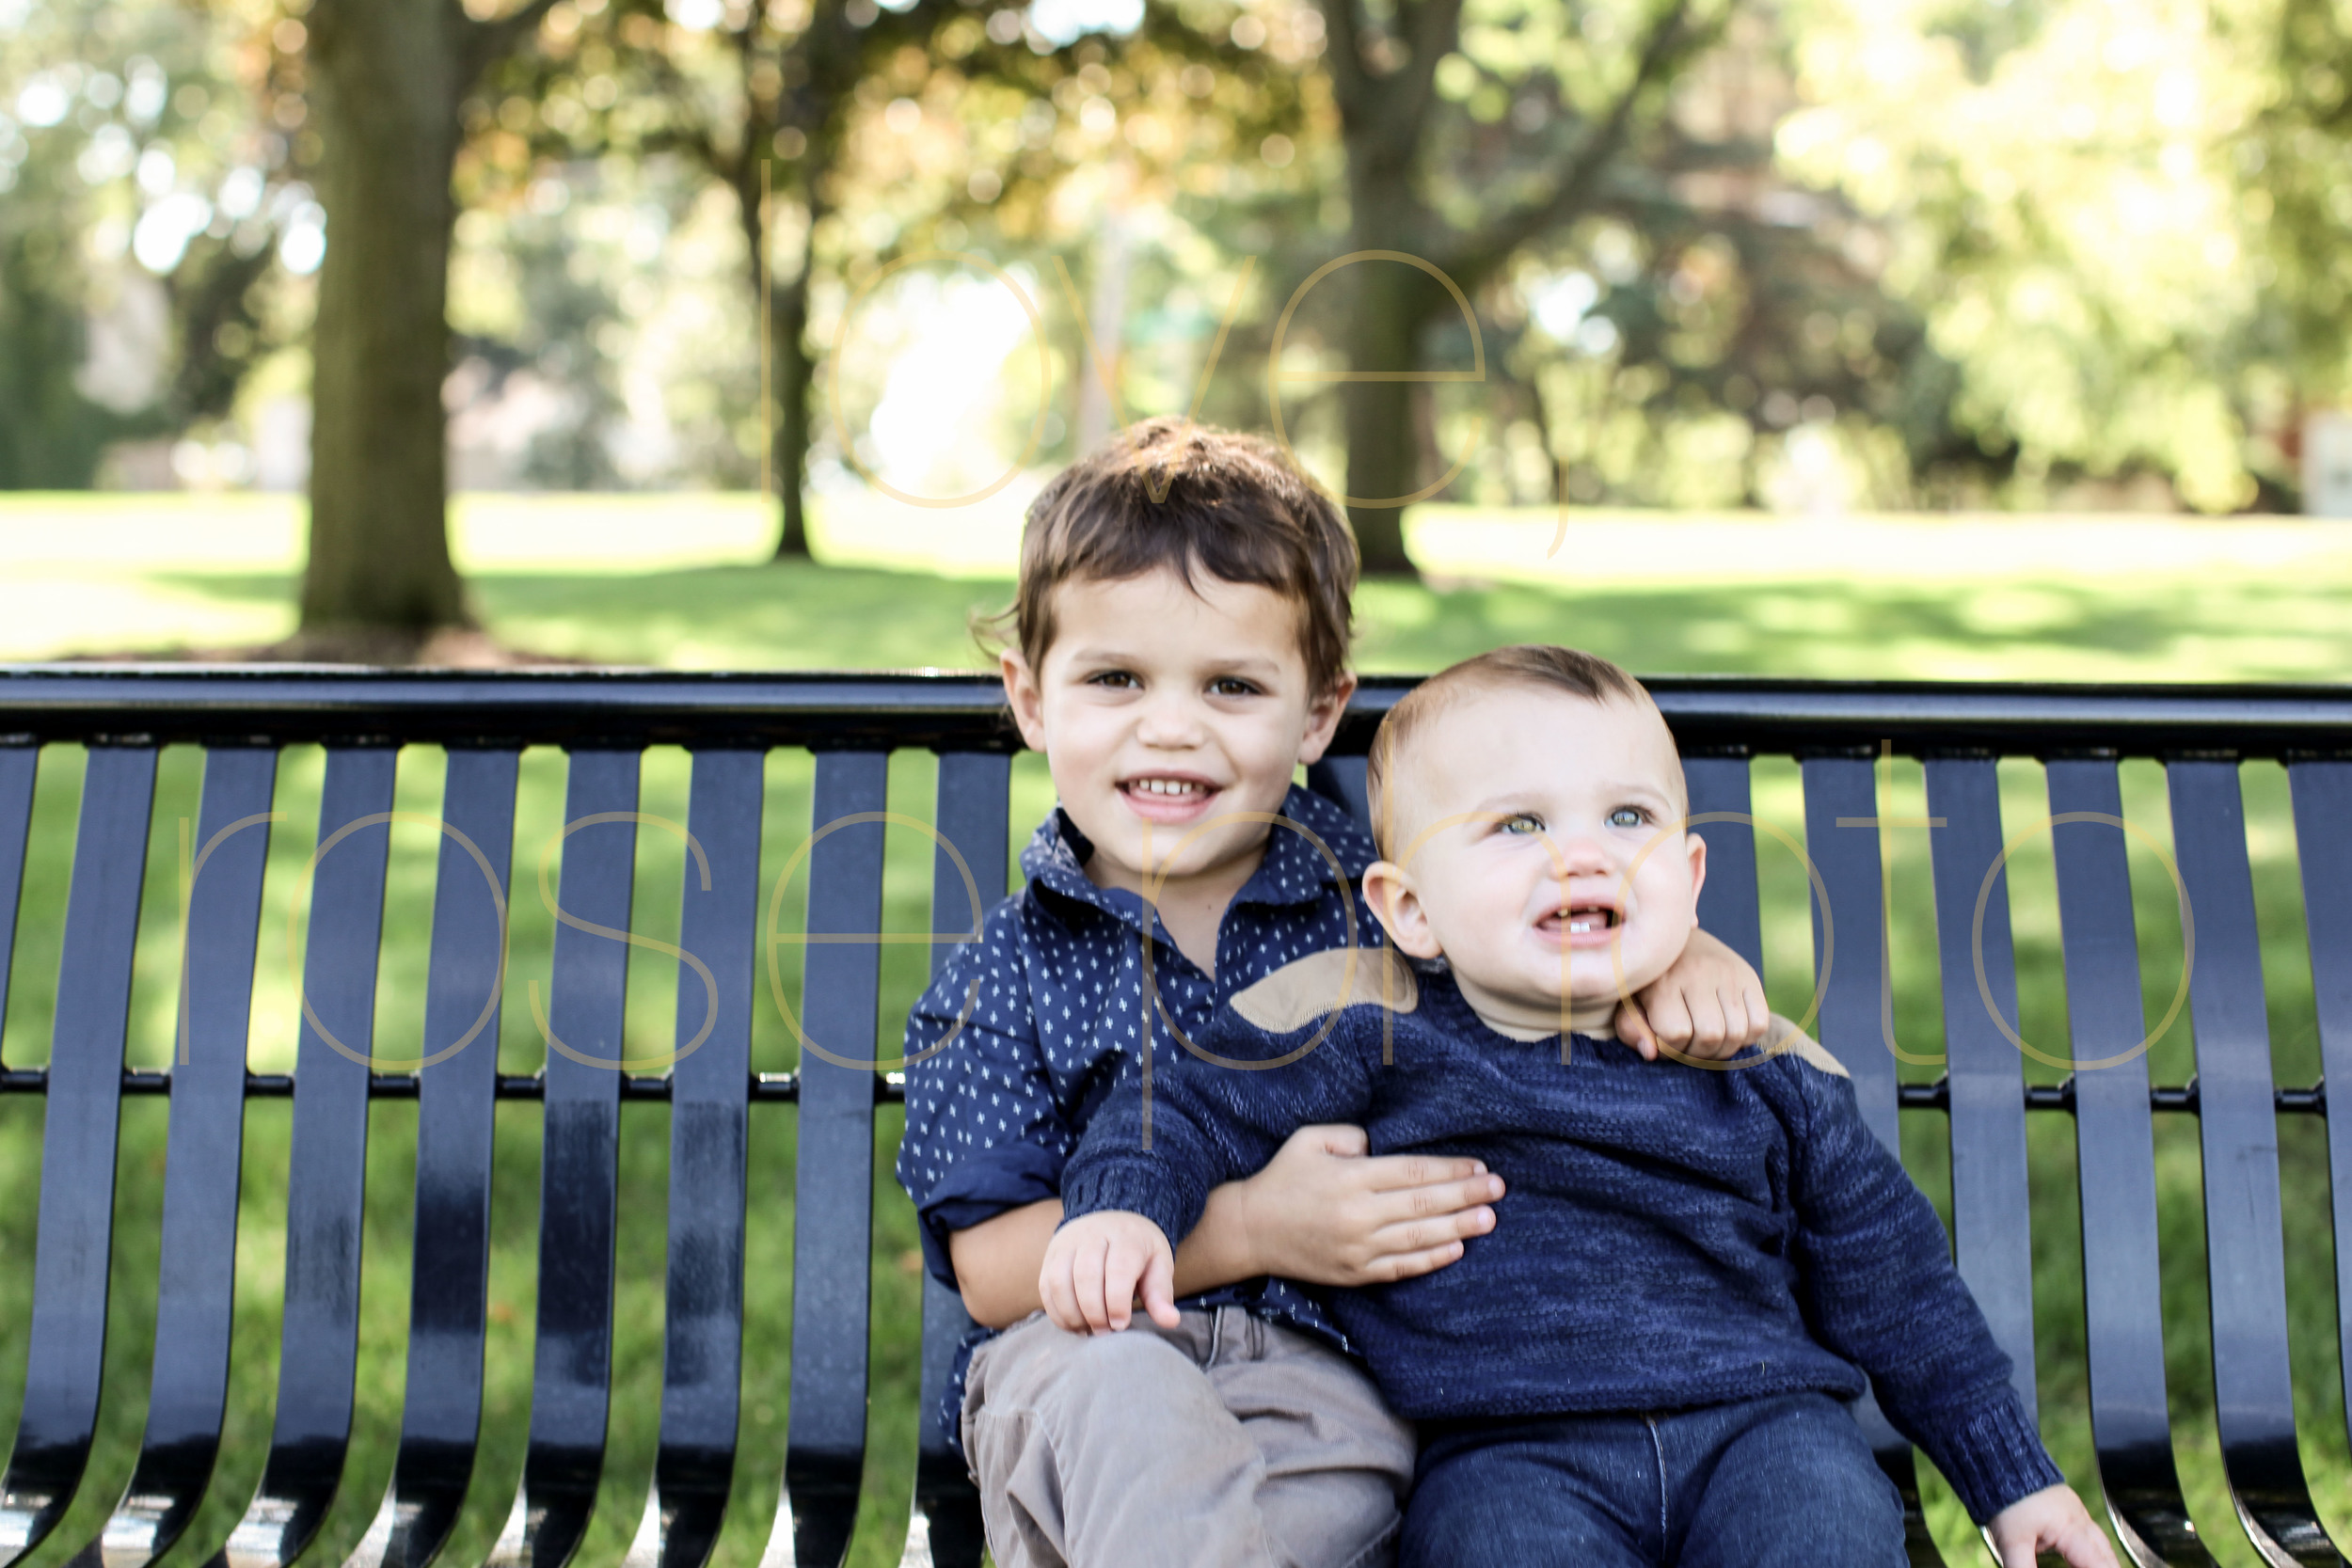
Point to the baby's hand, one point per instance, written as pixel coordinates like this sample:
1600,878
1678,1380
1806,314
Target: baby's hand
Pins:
1094,1265
1323,1212
1709,1005
2052,1519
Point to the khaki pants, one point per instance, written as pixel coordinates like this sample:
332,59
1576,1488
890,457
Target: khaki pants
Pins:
1225,1443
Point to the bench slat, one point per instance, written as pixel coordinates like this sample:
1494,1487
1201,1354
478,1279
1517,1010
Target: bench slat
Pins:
326,1169
2323,807
580,1166
944,1531
449,1272
709,1095
1339,780
1728,905
2238,1124
197,1282
1842,838
833,1171
2116,1171
1992,1239
18,766
67,1331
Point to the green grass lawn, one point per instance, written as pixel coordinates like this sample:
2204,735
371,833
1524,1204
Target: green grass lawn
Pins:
672,584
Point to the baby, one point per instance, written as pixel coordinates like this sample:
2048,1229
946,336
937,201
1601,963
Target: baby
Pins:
1644,1361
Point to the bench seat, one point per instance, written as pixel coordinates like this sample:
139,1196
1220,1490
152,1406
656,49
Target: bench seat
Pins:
1837,735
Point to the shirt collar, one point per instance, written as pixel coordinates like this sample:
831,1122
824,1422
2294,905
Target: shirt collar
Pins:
1295,870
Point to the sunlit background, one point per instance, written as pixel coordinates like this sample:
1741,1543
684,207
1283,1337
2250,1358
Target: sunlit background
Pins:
2047,254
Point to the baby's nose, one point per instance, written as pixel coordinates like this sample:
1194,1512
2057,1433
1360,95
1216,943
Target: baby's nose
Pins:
1581,856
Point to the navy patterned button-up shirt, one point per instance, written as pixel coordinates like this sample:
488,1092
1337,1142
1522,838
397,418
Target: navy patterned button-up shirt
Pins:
992,1118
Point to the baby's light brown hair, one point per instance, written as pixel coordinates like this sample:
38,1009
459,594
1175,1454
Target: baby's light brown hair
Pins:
1537,664
1190,498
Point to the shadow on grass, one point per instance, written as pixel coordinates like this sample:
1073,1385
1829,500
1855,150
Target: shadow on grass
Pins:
805,616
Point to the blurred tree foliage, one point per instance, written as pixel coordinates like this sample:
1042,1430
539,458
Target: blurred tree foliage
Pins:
144,190
1669,316
847,134
2120,221
745,91
2292,164
1469,132
1796,253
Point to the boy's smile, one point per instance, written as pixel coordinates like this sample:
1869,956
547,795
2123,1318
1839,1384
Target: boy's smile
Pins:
1166,795
1173,716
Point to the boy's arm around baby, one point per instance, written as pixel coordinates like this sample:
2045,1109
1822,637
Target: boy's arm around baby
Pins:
1162,1140
1267,1066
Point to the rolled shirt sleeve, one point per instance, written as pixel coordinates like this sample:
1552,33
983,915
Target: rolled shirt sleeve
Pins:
984,1133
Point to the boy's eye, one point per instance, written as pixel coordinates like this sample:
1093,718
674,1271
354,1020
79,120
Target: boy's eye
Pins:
1121,678
1625,816
1523,822
1233,686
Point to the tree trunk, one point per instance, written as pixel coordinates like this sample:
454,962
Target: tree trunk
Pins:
385,83
783,312
1386,309
794,372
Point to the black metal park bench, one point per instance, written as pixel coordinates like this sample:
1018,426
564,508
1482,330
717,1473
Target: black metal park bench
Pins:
242,717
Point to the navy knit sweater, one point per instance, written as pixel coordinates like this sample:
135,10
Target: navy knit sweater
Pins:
1670,1236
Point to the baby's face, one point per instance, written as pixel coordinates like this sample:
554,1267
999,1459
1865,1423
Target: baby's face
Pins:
1541,849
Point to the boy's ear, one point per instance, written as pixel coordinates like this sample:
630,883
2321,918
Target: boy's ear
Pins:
1024,697
1698,865
1323,718
1389,889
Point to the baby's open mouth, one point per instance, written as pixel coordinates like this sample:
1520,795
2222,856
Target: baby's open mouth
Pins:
1584,919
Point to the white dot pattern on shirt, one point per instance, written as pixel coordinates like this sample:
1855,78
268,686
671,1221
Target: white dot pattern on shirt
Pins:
1056,1015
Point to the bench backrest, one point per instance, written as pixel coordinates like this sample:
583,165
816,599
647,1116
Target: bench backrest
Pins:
603,721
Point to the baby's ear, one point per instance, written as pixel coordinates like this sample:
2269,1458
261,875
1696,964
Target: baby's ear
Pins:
1389,889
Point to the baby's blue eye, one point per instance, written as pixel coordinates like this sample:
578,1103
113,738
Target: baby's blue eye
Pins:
1523,822
1625,816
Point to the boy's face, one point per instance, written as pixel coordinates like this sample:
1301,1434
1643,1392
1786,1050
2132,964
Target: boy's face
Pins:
1163,710
1543,853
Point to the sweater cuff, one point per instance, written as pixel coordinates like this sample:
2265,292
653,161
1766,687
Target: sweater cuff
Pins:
1135,1185
1996,1458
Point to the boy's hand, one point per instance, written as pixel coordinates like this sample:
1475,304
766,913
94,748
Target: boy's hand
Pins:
2054,1520
1709,1005
1323,1212
1094,1265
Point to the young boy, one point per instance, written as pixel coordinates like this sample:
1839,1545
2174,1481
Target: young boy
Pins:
1182,630
1643,1364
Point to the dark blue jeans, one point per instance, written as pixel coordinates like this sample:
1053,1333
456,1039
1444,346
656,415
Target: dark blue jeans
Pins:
1768,1482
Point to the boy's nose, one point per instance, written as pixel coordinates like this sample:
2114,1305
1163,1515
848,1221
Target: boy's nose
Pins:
1169,721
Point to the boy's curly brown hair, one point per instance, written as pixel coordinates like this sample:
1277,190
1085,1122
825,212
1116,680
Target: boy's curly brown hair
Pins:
1191,498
